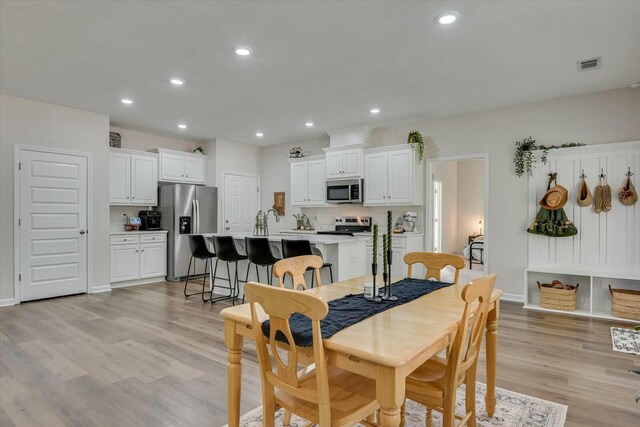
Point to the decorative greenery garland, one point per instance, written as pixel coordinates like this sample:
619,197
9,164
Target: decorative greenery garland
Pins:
417,143
524,158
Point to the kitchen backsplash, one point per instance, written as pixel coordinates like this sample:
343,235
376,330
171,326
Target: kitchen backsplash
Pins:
116,215
324,218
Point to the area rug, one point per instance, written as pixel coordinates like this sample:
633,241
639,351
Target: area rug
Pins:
512,410
625,340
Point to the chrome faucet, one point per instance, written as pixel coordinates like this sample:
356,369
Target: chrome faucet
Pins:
262,222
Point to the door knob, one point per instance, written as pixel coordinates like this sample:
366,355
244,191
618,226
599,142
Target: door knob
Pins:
227,221
227,228
82,231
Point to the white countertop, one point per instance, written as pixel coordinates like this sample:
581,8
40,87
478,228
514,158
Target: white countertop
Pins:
112,232
318,239
365,234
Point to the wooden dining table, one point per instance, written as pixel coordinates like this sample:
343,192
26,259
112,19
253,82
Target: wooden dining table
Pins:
386,347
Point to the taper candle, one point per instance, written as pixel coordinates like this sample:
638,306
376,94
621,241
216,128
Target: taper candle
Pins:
384,254
375,244
389,229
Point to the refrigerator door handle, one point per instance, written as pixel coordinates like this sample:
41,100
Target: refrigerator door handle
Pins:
194,217
198,216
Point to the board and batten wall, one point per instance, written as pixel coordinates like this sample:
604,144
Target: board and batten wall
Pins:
45,125
597,118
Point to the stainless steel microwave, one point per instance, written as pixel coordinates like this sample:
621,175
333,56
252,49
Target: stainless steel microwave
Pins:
344,191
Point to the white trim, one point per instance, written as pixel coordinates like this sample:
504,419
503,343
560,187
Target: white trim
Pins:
8,302
136,282
428,235
17,149
221,195
100,289
512,297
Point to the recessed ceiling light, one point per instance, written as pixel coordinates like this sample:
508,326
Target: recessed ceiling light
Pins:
635,85
309,124
447,18
126,101
182,126
243,50
374,110
259,134
176,81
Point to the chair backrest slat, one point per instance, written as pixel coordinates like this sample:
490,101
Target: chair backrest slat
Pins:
280,304
296,267
434,263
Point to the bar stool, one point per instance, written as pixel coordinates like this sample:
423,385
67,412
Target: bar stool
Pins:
259,253
292,248
226,251
199,250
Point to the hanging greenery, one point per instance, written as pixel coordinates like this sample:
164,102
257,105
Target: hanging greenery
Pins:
417,143
524,157
198,149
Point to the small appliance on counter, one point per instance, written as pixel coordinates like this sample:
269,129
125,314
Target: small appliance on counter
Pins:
350,225
131,223
409,221
149,220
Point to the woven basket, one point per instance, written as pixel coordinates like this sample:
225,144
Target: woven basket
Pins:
625,303
557,299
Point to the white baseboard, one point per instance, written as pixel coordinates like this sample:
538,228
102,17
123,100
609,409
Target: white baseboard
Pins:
100,289
7,302
128,283
513,297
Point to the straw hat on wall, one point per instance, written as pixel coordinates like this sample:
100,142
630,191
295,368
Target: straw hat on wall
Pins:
555,198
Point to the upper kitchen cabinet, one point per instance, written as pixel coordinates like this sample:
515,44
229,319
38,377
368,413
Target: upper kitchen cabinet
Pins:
392,176
344,163
179,166
308,182
133,178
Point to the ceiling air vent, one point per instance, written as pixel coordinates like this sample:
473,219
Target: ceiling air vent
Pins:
590,64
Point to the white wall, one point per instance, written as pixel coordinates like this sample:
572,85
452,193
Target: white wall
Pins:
470,203
447,174
38,124
603,117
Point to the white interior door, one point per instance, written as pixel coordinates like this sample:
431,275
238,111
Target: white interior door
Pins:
437,215
53,224
240,202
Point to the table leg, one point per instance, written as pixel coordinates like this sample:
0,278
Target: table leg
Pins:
492,349
390,393
234,343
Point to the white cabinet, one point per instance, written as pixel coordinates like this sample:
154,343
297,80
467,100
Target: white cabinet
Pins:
137,256
392,177
308,182
345,163
178,166
125,262
401,244
133,178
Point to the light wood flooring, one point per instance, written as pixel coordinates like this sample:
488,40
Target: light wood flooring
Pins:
145,356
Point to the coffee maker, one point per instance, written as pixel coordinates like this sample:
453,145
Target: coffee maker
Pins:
149,220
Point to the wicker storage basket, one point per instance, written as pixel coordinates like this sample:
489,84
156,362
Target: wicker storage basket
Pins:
557,299
625,303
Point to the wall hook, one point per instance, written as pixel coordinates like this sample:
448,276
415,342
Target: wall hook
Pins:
629,173
602,175
583,176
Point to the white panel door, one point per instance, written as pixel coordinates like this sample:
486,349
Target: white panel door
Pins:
119,178
240,202
334,165
352,163
194,170
299,183
171,167
375,179
144,180
125,263
53,223
153,260
316,183
400,177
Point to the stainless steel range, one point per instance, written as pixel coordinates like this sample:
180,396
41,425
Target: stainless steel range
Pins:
350,225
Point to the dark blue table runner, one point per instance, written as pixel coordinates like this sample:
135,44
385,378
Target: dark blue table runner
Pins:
353,308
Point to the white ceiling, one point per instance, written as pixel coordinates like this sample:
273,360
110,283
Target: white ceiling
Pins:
326,62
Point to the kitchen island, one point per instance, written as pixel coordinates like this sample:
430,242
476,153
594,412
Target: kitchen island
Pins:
346,253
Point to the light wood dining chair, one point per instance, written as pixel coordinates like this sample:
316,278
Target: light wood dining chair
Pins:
434,383
319,393
434,263
296,267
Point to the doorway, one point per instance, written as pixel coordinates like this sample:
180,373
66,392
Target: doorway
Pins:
241,201
51,214
458,196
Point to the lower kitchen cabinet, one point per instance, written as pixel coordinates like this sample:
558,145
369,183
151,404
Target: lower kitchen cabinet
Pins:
401,244
137,256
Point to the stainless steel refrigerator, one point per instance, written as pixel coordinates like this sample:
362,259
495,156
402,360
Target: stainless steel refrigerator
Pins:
186,209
